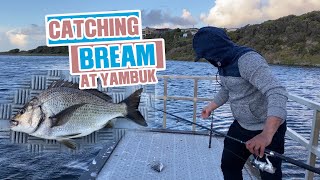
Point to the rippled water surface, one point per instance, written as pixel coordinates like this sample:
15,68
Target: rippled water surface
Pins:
16,163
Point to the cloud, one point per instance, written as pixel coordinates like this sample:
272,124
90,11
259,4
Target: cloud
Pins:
26,37
236,13
18,39
5,44
159,18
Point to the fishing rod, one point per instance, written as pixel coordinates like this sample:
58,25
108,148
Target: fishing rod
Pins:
267,167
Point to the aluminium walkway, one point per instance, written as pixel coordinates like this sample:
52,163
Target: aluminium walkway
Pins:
185,155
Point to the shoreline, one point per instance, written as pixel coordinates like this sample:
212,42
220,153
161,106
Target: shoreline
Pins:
28,54
203,61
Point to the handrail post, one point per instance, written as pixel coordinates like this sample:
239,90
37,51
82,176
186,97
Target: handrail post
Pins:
313,143
165,94
195,96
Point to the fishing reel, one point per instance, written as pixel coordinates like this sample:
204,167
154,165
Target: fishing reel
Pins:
263,166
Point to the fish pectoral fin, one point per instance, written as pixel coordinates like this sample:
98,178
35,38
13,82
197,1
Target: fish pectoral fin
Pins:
70,144
59,119
69,136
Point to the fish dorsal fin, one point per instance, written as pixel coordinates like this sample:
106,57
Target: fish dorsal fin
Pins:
99,94
60,118
63,83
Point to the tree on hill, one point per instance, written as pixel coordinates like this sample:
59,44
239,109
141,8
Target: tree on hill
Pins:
14,51
49,50
287,40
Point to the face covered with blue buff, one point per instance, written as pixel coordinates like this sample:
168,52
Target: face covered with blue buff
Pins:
214,45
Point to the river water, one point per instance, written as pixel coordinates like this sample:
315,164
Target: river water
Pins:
16,163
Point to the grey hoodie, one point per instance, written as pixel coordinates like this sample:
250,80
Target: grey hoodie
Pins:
247,82
255,95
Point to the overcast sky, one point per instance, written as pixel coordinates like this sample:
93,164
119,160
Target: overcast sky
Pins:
22,22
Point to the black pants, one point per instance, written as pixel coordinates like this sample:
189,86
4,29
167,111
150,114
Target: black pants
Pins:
235,154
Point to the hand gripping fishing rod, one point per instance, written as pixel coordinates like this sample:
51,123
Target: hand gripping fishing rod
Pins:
266,151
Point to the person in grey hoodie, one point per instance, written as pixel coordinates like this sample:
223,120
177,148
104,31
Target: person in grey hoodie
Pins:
257,100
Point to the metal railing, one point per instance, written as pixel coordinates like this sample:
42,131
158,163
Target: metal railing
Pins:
195,97
311,146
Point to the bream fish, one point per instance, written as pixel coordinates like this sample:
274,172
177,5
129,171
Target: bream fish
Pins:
63,112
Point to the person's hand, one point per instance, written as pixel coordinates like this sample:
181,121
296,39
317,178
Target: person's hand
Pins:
206,112
257,144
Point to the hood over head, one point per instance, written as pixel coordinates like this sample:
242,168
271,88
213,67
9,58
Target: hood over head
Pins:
214,45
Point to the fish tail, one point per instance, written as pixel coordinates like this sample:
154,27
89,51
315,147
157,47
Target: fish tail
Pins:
133,112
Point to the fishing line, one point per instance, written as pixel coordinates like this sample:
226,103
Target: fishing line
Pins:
217,79
211,127
230,151
204,127
267,151
211,131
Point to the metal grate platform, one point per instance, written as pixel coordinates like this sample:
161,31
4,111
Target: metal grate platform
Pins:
184,156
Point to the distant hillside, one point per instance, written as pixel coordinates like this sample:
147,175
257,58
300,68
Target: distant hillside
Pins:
293,40
40,50
290,40
177,46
